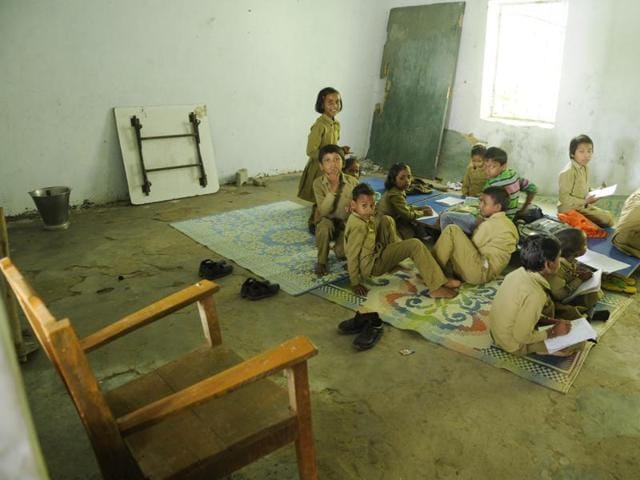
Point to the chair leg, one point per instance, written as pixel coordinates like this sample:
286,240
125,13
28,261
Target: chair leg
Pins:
300,402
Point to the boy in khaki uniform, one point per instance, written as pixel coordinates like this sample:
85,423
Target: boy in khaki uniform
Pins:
475,177
521,298
573,184
373,248
483,257
627,234
333,196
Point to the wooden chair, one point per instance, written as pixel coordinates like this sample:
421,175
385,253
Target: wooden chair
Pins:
201,416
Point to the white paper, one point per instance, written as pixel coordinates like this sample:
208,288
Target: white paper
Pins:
581,330
450,200
427,217
588,286
597,261
603,192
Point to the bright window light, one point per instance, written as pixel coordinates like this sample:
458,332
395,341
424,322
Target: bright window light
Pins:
523,58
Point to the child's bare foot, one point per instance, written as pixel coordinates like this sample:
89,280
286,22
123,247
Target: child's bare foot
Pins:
453,283
443,292
321,269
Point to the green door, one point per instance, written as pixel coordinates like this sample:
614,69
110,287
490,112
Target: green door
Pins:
419,62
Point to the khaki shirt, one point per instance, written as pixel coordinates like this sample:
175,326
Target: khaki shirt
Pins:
360,247
630,215
325,198
565,281
517,308
496,239
394,203
325,131
573,187
473,181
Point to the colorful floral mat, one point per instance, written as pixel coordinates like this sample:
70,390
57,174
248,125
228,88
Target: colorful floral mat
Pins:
460,324
270,240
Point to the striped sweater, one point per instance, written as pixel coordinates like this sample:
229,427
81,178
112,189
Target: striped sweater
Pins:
514,184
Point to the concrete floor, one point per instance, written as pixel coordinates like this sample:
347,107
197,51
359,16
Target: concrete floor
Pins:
377,414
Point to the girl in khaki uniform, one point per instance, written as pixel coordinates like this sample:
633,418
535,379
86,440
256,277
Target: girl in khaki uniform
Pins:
325,131
573,184
394,202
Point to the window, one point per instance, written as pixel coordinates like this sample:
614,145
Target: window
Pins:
523,59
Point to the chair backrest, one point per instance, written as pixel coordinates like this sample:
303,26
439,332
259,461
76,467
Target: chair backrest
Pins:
60,342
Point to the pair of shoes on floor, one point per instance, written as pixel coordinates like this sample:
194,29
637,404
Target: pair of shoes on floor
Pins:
211,270
368,326
255,289
615,283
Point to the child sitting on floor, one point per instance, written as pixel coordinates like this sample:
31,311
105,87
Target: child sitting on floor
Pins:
373,248
332,193
475,176
520,299
394,202
570,275
483,257
627,234
498,175
573,184
352,167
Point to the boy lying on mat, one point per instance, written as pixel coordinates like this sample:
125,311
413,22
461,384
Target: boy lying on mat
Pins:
518,305
373,248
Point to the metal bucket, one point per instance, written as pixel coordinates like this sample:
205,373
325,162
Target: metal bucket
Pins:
53,205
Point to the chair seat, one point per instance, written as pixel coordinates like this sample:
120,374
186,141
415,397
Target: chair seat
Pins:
256,415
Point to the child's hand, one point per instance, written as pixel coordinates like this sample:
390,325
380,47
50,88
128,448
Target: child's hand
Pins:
360,290
590,199
334,181
426,210
560,328
584,274
346,149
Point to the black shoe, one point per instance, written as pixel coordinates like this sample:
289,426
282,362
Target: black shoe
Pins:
599,315
357,323
369,336
210,269
254,289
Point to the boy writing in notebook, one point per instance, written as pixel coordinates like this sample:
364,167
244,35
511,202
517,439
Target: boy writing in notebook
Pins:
520,300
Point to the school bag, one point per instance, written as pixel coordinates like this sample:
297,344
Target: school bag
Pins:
544,226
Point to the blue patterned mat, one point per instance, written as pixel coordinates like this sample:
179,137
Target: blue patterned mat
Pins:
270,240
461,323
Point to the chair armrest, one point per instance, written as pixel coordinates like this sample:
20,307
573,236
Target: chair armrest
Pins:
149,314
286,355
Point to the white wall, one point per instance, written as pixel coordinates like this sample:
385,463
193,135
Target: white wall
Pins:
600,76
258,66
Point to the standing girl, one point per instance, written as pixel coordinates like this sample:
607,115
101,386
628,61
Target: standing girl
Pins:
325,131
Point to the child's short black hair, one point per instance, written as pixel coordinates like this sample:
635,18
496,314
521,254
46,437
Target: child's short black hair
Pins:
330,149
362,189
395,169
478,149
496,154
538,249
322,95
572,241
575,141
499,196
348,163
